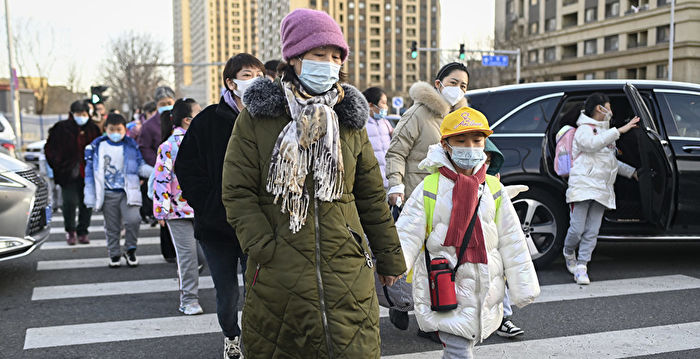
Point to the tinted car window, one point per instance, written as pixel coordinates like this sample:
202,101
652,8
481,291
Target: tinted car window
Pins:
532,118
686,113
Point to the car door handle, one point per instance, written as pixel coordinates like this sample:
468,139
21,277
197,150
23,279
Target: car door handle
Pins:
691,148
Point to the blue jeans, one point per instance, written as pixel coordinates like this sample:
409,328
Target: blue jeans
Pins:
222,259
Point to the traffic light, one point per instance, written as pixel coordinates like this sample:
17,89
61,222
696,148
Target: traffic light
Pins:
96,94
414,49
462,54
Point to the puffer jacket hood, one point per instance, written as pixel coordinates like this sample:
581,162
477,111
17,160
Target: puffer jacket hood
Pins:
480,287
595,166
418,129
496,158
379,132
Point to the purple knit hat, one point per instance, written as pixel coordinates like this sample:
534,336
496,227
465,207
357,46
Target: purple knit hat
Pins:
306,29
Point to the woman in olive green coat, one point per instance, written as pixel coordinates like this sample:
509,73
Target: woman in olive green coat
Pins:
303,190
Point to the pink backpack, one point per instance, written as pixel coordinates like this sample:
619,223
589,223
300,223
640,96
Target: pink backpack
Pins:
563,156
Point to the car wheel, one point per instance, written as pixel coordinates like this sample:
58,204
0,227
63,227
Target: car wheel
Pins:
544,222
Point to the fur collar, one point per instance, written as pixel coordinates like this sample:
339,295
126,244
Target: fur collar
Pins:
425,94
265,98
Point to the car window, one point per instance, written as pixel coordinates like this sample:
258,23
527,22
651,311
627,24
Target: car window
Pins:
532,118
685,109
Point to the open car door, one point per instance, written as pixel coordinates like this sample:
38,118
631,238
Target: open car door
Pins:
657,178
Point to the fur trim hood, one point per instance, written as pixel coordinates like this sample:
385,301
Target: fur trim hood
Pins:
266,98
424,93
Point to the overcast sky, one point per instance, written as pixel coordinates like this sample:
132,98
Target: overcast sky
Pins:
82,29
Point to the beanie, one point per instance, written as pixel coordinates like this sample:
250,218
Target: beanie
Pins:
306,29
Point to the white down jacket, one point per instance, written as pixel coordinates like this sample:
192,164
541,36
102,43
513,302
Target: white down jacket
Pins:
480,287
595,165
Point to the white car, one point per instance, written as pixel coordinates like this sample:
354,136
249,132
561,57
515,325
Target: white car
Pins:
34,153
8,141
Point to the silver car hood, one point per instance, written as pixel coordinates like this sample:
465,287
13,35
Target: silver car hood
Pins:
8,163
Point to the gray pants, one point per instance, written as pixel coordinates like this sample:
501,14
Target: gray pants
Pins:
187,253
116,213
584,226
456,347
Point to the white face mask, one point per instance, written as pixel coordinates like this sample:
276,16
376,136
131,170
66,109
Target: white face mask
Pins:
452,94
608,114
242,86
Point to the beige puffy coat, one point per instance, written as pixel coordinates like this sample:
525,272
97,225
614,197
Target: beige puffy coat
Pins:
480,287
416,131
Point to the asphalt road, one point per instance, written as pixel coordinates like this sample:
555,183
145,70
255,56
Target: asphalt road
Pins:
643,303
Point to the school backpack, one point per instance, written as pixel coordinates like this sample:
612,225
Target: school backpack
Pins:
563,156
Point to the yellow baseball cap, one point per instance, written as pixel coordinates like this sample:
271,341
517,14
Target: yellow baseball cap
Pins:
463,120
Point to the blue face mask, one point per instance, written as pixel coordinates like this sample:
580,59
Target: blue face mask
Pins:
318,76
81,120
165,108
382,114
468,157
115,136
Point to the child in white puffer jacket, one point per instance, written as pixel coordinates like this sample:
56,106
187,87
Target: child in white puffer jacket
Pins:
591,181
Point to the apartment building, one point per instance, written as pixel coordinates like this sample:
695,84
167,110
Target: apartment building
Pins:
379,33
206,32
600,39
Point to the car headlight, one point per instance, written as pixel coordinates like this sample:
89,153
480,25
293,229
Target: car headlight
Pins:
11,244
9,182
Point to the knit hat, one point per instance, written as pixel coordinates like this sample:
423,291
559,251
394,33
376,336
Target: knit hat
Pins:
496,158
463,120
163,92
306,29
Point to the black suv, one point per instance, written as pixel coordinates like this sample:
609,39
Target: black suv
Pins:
663,205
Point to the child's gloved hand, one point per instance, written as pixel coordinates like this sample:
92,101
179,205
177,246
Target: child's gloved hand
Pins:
514,190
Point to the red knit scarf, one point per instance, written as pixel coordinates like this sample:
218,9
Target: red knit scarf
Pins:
465,196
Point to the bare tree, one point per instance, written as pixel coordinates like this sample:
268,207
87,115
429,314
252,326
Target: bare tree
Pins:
128,70
34,50
73,78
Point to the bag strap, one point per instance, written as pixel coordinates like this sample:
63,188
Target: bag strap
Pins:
467,237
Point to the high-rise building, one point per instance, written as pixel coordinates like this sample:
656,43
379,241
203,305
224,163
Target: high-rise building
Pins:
600,39
206,32
380,34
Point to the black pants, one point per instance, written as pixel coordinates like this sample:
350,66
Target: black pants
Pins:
222,259
147,207
73,197
167,248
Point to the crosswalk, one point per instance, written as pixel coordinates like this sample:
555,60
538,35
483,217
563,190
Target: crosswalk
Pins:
157,278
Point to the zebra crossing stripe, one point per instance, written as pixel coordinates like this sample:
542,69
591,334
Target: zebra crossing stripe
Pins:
609,345
102,243
57,217
91,229
92,262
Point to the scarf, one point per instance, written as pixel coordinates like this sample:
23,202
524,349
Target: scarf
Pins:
228,98
310,141
465,197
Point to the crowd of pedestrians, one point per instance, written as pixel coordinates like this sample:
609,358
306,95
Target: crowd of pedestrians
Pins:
297,178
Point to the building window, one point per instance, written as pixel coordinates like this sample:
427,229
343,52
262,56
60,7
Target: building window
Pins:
663,33
550,24
637,39
612,9
550,54
569,2
532,56
569,20
663,2
534,28
612,43
590,47
589,76
662,71
611,74
637,73
510,7
569,51
591,14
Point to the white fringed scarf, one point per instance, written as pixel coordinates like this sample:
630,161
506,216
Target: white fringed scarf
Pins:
310,140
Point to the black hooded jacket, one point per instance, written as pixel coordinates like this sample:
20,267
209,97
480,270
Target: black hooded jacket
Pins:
199,166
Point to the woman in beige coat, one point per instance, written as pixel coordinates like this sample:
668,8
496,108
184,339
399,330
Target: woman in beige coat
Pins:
420,127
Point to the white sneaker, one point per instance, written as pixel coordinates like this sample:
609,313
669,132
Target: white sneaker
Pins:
232,348
570,260
581,275
191,309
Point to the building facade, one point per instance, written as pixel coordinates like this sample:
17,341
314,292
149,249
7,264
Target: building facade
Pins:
208,32
600,39
379,34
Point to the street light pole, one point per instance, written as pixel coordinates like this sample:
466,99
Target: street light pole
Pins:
14,93
671,40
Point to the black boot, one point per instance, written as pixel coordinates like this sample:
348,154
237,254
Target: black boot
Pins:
398,318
